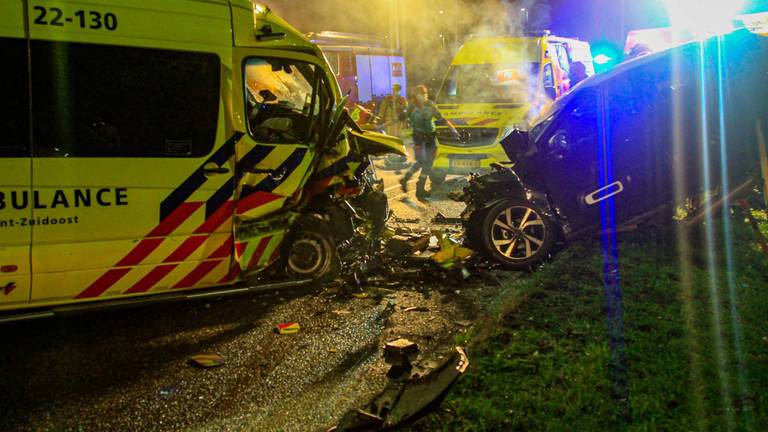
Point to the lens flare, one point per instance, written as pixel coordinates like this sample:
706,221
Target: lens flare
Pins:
703,16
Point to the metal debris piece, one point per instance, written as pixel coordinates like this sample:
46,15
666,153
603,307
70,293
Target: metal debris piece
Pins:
400,354
402,244
288,328
168,391
400,347
445,220
464,323
425,392
416,309
405,401
207,360
402,230
405,220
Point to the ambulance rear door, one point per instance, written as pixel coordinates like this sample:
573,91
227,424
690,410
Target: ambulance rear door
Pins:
15,168
132,155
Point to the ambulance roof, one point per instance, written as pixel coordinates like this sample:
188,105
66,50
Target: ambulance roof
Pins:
499,50
285,35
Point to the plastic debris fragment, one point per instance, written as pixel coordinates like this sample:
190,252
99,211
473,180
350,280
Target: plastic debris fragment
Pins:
288,328
207,360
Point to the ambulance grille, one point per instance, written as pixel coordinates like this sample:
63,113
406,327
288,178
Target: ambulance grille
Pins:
468,137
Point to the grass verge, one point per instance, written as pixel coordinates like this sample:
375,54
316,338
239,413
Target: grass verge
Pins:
695,332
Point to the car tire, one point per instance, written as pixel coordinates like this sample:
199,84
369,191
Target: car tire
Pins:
517,234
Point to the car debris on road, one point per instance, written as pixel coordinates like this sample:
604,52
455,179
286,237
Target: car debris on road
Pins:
288,328
207,361
407,399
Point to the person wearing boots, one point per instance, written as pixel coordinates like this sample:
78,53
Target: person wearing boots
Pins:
422,113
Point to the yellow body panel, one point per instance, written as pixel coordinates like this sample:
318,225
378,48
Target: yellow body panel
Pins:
16,174
499,50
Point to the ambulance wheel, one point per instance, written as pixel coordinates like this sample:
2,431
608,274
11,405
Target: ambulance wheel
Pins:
517,234
312,255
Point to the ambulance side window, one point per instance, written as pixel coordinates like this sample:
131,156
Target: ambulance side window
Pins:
283,101
113,101
14,101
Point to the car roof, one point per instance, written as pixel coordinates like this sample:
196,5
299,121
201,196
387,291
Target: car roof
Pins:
597,80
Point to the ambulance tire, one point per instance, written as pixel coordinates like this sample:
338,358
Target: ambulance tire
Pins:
312,253
517,234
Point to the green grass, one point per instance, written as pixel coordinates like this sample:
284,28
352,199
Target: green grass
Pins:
546,364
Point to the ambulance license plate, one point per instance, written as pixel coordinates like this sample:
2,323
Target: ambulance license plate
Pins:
465,163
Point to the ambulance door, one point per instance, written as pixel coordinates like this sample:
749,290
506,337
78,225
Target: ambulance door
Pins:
285,104
15,174
132,158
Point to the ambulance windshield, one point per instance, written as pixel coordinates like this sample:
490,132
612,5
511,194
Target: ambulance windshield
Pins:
485,83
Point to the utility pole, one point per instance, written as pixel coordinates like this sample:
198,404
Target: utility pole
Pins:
455,26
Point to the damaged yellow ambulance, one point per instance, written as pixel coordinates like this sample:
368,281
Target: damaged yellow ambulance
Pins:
168,150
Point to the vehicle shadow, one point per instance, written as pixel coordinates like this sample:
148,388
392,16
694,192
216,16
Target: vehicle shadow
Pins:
66,358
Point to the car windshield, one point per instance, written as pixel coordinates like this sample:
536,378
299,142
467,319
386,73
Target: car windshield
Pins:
485,83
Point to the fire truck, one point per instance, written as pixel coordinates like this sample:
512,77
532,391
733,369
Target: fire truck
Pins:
366,67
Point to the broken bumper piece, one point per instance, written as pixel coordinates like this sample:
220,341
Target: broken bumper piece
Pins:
406,401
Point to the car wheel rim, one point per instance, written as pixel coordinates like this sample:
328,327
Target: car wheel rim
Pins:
518,233
307,256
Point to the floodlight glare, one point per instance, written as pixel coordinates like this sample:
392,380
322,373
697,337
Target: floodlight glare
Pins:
703,16
602,59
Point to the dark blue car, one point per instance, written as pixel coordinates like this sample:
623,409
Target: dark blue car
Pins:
624,145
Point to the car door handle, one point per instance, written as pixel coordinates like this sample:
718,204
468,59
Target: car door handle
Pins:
259,171
212,168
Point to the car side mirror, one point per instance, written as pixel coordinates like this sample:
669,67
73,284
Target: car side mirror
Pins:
558,145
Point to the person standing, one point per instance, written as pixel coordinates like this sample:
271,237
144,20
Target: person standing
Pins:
392,111
577,74
422,113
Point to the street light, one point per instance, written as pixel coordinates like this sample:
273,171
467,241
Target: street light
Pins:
525,23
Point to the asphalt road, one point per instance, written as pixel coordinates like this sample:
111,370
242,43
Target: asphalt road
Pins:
129,370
